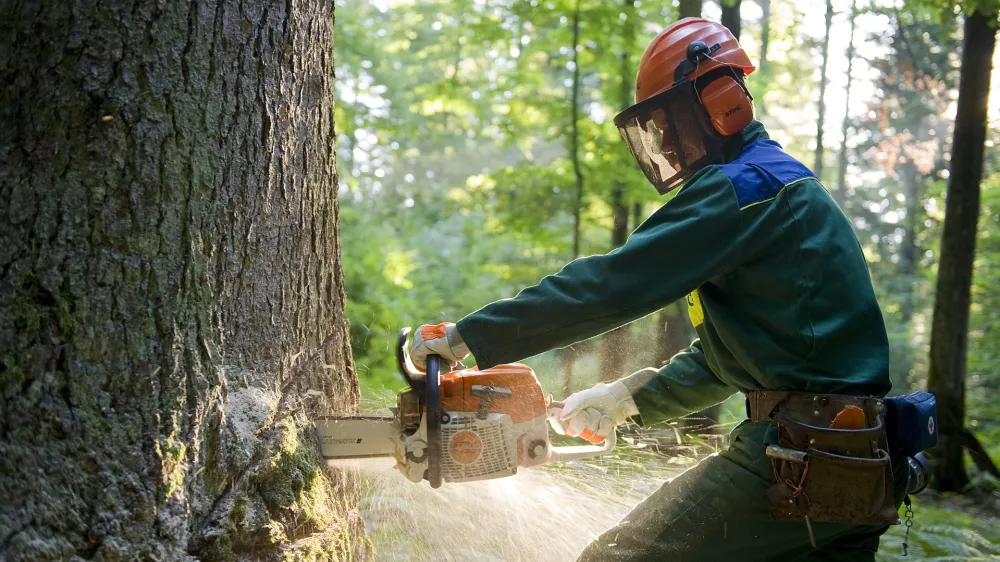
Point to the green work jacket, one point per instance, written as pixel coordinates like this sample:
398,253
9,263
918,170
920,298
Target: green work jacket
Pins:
775,281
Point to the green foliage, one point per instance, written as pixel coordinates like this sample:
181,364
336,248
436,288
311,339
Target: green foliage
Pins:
944,530
454,123
983,379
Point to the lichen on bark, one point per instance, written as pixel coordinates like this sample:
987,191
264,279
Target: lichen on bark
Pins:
169,243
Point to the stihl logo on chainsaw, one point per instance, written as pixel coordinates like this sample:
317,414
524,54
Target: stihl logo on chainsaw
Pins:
465,447
348,441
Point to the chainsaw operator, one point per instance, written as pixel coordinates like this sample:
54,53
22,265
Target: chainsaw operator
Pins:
778,290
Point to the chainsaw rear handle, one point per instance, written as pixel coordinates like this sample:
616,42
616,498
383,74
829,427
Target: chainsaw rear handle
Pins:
563,454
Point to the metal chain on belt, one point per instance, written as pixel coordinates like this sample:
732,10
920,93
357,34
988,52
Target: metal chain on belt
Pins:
908,523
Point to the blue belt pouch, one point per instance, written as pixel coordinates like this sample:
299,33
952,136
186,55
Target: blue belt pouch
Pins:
911,423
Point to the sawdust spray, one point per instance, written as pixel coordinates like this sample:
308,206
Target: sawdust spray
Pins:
546,514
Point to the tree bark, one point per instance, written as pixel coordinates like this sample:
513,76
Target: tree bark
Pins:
949,329
170,282
840,194
818,163
731,16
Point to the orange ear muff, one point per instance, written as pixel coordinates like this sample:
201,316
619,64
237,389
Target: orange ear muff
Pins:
728,104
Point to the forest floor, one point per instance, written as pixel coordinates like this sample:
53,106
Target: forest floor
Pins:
559,510
949,527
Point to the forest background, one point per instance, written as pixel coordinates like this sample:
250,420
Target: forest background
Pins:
477,154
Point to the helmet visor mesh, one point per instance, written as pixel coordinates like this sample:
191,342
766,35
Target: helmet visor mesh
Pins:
666,136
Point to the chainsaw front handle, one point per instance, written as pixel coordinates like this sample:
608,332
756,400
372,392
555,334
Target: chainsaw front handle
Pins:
572,453
563,454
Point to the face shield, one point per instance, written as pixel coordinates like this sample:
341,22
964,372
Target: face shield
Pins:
670,136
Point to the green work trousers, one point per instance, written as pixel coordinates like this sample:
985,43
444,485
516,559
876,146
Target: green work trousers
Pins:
717,510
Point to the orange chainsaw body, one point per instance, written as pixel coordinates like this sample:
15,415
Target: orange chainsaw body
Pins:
527,403
461,426
527,406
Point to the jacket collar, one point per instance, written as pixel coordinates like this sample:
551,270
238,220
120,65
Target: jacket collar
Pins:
735,146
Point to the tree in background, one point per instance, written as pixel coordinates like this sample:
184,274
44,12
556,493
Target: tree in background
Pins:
673,330
171,297
841,189
949,331
821,117
569,354
731,16
902,138
615,344
763,69
707,420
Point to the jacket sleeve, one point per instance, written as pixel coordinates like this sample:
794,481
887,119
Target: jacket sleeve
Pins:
686,384
690,239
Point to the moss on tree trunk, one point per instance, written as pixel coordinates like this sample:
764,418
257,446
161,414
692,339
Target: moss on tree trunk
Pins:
169,265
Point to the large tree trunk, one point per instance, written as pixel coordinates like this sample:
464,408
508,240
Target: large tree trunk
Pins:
949,330
818,162
731,16
170,282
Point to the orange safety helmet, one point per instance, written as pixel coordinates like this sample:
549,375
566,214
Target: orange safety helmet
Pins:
690,96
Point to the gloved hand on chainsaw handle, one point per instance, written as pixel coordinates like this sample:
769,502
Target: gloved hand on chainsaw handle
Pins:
442,339
592,414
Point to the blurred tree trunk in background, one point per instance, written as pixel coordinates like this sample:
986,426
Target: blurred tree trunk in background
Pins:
616,342
912,191
170,283
818,163
689,9
705,420
840,194
672,333
575,132
765,37
949,330
731,16
569,354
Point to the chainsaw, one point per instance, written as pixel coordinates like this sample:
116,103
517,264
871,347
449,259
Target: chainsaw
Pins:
460,426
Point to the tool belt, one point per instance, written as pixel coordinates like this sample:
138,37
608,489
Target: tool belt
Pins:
823,473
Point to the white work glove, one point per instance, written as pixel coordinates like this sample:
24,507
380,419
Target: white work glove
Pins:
592,414
442,339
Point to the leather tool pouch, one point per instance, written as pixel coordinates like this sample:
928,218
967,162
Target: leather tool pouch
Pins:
834,475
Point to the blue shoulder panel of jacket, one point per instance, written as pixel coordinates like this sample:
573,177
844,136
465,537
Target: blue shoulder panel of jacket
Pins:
762,171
